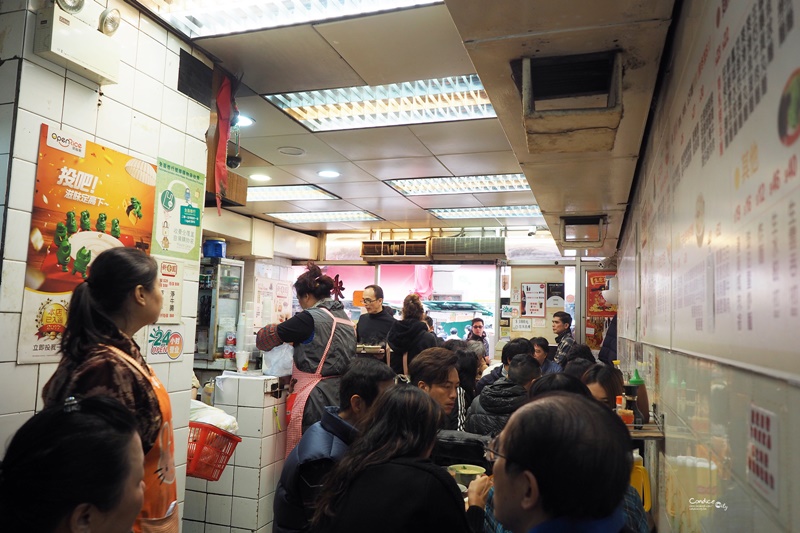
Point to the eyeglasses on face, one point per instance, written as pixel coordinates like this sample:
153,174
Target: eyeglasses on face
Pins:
369,301
477,326
490,450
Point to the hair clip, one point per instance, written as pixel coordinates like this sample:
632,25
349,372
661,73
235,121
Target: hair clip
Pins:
71,405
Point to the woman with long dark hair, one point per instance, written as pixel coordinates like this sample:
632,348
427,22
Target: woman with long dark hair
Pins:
386,481
324,341
605,383
99,357
74,467
409,336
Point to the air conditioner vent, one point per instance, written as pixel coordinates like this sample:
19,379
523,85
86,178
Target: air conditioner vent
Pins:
395,250
468,248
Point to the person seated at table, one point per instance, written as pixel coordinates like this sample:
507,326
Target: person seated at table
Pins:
491,410
435,371
577,367
386,481
510,349
325,442
558,382
75,467
605,384
562,463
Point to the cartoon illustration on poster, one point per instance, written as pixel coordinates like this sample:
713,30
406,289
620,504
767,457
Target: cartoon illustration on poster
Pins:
598,311
87,199
533,299
179,196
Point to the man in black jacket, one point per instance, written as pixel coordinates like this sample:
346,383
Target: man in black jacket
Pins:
491,410
325,442
373,326
512,348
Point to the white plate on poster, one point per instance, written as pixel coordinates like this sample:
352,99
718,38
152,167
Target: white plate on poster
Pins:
94,241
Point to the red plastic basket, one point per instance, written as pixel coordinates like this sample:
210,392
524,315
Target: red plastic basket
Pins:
210,448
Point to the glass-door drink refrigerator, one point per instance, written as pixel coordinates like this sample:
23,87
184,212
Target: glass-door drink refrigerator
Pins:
219,305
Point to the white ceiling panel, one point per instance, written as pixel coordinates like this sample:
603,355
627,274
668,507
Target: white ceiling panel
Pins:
271,207
406,45
374,189
409,167
490,199
325,205
375,143
316,151
269,120
279,177
294,58
463,137
445,200
481,163
348,172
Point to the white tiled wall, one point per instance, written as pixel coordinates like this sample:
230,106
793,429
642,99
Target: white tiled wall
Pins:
143,115
241,500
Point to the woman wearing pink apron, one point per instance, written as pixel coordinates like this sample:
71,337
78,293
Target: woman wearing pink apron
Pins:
120,296
324,339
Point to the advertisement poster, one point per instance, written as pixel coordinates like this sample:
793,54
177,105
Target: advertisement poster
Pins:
87,199
555,295
598,311
273,303
533,299
165,343
180,193
170,279
506,311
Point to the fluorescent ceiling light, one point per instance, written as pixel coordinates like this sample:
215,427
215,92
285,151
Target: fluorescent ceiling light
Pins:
330,216
413,102
204,18
328,174
506,211
288,193
260,177
460,184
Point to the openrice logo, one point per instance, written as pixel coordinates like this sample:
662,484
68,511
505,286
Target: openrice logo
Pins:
67,143
703,504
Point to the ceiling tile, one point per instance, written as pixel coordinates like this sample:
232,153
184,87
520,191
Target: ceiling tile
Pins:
410,167
446,200
279,177
361,189
325,205
289,59
316,151
481,163
348,172
375,143
490,199
269,207
462,137
269,120
404,45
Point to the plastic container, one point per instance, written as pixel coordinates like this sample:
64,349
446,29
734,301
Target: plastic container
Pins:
214,248
210,449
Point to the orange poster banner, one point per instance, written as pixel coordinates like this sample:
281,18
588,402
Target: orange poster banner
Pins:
87,199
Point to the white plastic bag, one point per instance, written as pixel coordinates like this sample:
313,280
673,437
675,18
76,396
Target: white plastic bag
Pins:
200,412
278,361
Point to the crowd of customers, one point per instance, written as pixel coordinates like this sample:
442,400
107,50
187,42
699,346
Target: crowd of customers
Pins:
363,435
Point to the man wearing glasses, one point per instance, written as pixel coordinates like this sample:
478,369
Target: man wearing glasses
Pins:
479,334
373,327
544,491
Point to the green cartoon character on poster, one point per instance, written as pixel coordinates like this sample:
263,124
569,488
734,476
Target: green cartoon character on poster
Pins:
135,207
81,263
72,223
63,254
86,221
61,234
115,230
101,223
